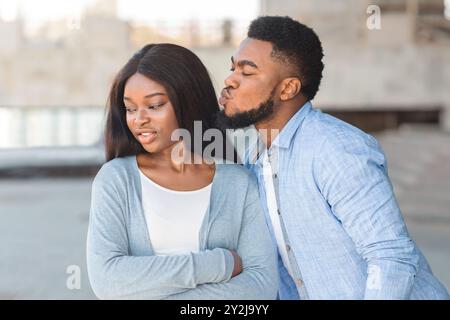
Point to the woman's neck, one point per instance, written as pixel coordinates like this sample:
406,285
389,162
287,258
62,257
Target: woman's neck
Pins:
176,157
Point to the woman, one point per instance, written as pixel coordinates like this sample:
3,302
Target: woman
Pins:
161,228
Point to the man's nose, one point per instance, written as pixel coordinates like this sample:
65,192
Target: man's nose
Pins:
231,82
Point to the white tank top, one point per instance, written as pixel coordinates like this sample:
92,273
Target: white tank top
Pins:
173,217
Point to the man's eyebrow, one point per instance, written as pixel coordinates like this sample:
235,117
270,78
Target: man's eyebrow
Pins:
147,96
242,63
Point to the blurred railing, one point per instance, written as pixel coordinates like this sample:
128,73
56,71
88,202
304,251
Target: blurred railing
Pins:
50,126
22,127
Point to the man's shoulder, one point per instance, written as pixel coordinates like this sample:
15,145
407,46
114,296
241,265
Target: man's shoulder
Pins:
331,132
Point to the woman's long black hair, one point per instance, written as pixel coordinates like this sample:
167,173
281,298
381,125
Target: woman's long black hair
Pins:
189,88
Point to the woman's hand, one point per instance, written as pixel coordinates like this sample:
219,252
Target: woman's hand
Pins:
237,264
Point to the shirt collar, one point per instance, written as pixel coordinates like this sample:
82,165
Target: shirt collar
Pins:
284,138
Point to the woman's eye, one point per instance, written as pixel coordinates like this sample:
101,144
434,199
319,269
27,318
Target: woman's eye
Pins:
232,69
129,110
155,106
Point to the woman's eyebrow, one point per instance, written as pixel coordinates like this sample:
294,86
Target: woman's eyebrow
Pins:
147,96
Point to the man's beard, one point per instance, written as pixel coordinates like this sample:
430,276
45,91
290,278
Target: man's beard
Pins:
246,118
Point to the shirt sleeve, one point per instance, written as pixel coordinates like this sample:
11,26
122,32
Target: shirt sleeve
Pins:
351,173
115,274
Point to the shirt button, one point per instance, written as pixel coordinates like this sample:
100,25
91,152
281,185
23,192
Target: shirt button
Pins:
275,176
298,282
278,210
288,247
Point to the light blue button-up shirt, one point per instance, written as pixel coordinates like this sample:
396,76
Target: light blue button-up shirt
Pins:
341,222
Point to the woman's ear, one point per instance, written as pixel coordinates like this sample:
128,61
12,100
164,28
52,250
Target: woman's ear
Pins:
290,88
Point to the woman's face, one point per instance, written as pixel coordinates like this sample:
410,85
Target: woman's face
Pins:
149,113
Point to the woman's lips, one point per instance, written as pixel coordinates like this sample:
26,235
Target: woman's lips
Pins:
147,138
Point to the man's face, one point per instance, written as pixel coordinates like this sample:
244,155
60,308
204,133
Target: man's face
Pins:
250,89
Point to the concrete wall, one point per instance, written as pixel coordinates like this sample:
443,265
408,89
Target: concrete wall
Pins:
390,67
76,69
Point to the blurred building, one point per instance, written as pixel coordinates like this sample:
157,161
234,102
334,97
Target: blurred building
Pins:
66,63
71,62
54,80
375,79
400,72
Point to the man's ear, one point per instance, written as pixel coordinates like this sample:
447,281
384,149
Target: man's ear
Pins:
290,87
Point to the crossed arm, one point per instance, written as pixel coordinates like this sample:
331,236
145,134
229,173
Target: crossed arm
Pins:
115,274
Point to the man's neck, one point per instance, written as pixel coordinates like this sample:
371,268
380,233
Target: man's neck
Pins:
281,116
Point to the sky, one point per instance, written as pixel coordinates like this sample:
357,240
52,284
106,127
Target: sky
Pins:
37,12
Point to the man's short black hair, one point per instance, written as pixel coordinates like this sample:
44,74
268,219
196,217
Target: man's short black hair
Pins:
294,44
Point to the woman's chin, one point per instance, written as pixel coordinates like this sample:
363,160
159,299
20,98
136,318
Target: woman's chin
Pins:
151,148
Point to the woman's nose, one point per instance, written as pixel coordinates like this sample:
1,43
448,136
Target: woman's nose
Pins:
142,116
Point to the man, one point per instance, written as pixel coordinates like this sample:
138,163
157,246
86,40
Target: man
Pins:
324,184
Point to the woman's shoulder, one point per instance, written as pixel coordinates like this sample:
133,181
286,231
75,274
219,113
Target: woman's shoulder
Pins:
236,174
237,184
115,168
